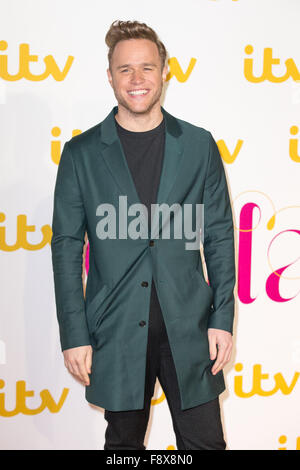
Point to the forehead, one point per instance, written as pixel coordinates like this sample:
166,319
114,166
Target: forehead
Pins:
135,51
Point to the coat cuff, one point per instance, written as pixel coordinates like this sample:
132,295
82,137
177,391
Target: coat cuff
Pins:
221,321
74,334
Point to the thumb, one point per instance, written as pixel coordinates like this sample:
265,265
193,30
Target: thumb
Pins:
88,361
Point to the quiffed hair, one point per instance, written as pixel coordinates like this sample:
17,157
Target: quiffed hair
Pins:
120,30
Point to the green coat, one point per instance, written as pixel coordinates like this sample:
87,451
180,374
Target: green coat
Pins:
113,316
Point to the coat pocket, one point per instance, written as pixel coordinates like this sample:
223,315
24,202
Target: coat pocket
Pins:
203,282
93,310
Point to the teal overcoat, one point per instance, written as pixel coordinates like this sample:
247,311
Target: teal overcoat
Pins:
113,315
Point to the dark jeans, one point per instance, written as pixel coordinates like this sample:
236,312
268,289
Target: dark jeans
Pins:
197,428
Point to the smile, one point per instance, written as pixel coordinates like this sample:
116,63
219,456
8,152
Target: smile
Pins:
142,92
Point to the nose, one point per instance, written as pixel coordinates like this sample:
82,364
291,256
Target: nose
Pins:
137,76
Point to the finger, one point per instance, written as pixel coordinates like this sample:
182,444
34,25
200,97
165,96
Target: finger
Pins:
217,367
88,362
228,354
75,370
212,347
83,372
215,372
224,361
220,358
69,367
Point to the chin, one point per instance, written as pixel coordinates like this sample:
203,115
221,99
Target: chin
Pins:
139,109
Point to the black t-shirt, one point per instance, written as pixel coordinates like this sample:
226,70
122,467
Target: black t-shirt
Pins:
144,153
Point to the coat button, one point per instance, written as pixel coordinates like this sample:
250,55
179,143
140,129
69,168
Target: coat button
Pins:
144,284
151,243
142,323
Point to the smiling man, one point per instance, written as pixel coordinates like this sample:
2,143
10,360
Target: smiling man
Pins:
137,84
148,311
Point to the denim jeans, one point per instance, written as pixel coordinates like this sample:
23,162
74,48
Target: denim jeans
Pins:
197,428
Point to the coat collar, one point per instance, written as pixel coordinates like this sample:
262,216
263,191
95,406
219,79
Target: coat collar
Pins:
117,163
109,132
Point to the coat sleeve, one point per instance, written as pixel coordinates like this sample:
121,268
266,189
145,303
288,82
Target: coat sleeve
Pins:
68,231
218,241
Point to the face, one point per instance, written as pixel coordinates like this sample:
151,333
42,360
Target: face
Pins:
136,65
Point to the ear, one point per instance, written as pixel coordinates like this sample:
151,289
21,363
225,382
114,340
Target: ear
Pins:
109,76
165,73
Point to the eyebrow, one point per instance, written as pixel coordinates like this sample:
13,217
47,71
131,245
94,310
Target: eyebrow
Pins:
143,63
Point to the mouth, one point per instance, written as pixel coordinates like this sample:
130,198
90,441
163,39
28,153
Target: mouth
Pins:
137,94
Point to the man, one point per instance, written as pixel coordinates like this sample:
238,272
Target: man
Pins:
148,311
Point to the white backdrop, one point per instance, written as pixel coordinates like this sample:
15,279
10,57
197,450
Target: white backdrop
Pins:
244,86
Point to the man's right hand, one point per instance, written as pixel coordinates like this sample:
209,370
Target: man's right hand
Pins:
78,361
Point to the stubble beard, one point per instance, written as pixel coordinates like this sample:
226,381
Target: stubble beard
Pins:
121,101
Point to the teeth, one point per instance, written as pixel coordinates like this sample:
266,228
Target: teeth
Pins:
138,92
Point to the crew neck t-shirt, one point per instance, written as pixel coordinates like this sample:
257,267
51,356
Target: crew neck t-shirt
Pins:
144,153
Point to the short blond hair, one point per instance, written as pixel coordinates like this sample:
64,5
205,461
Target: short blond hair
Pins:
120,30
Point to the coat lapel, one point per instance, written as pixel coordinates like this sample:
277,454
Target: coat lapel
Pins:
116,161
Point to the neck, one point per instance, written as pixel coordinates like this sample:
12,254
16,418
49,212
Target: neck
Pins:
137,122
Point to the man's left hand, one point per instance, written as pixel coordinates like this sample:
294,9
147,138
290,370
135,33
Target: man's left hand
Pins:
220,347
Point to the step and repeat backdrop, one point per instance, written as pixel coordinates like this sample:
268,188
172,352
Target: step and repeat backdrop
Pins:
234,69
